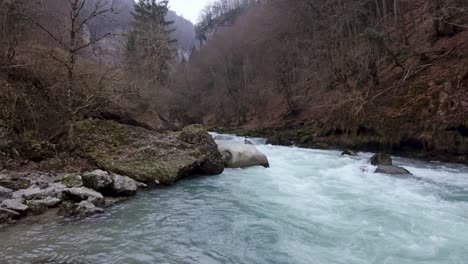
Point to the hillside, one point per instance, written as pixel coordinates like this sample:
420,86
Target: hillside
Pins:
377,78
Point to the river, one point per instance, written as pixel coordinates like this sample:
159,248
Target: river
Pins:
310,206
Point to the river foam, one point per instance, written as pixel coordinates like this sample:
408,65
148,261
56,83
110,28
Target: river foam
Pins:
310,206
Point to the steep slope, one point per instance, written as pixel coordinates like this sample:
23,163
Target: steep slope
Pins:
322,75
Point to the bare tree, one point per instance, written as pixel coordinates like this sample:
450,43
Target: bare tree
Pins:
67,33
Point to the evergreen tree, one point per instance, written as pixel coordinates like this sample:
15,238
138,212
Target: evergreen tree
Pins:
149,51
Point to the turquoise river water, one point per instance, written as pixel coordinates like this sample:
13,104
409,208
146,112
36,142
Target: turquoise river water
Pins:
310,206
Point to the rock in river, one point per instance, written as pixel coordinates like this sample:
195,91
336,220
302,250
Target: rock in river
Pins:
84,208
6,215
15,205
349,152
123,185
392,170
146,155
242,155
381,159
83,194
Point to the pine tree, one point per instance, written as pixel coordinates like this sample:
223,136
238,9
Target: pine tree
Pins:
149,51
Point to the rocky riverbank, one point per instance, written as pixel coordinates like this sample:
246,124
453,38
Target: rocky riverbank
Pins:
120,160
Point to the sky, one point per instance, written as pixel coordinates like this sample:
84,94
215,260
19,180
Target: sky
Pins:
189,9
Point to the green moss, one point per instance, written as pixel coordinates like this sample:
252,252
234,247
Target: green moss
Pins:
72,180
15,183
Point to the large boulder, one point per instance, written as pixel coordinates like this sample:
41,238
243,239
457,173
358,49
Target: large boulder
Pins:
242,155
392,170
144,155
381,159
198,136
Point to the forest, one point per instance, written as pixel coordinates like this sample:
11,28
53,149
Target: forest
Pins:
365,74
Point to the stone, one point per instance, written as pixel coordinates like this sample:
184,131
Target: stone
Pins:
198,136
6,215
47,202
381,159
87,208
42,185
37,208
72,180
97,180
54,190
242,155
79,194
349,153
123,185
34,193
15,205
5,193
145,155
83,208
15,183
28,194
248,142
392,170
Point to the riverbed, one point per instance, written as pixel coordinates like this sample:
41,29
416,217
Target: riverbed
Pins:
310,206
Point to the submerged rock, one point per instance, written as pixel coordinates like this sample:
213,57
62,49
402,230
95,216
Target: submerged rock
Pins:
392,170
83,208
242,155
145,155
381,159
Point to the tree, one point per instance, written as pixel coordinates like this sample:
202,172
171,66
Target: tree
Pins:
149,50
12,26
67,34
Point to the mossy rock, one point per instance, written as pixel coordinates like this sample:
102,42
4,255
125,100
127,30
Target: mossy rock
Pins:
144,155
198,136
37,208
15,184
72,180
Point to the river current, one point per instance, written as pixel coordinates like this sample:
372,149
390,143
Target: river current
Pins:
310,206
